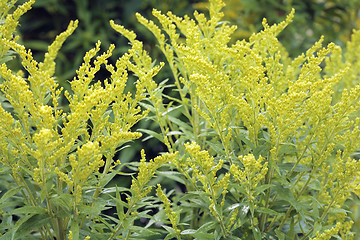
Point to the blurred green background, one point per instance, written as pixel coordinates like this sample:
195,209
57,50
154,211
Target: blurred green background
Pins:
334,19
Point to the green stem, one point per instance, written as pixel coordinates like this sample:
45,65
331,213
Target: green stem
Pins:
121,224
324,214
30,198
268,180
297,198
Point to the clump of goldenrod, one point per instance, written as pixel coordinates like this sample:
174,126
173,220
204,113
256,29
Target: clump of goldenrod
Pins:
62,160
263,146
294,123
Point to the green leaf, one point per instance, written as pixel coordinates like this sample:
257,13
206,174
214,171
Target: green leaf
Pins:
298,168
107,178
12,233
62,200
147,106
5,59
115,189
75,230
153,134
256,233
24,226
170,230
233,238
119,206
91,210
10,193
261,188
279,234
243,137
285,193
287,149
188,232
204,236
170,236
291,233
170,109
174,133
30,210
180,123
35,222
217,147
206,227
267,211
262,149
176,176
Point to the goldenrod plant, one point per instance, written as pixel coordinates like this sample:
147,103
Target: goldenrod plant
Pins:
333,18
259,145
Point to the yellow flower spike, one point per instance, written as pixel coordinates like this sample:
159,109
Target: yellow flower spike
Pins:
173,216
215,11
341,181
232,220
37,176
49,65
145,173
28,61
223,185
11,21
152,27
71,235
168,27
86,73
130,35
340,227
254,171
204,170
64,177
44,142
88,161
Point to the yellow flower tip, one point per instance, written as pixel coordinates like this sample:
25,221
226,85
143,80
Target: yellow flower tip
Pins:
70,235
74,24
264,23
155,12
130,35
291,15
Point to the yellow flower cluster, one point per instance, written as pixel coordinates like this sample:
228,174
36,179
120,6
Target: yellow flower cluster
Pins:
145,172
139,188
71,236
84,163
341,228
260,102
173,216
9,22
347,59
254,171
338,185
204,170
294,122
63,151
